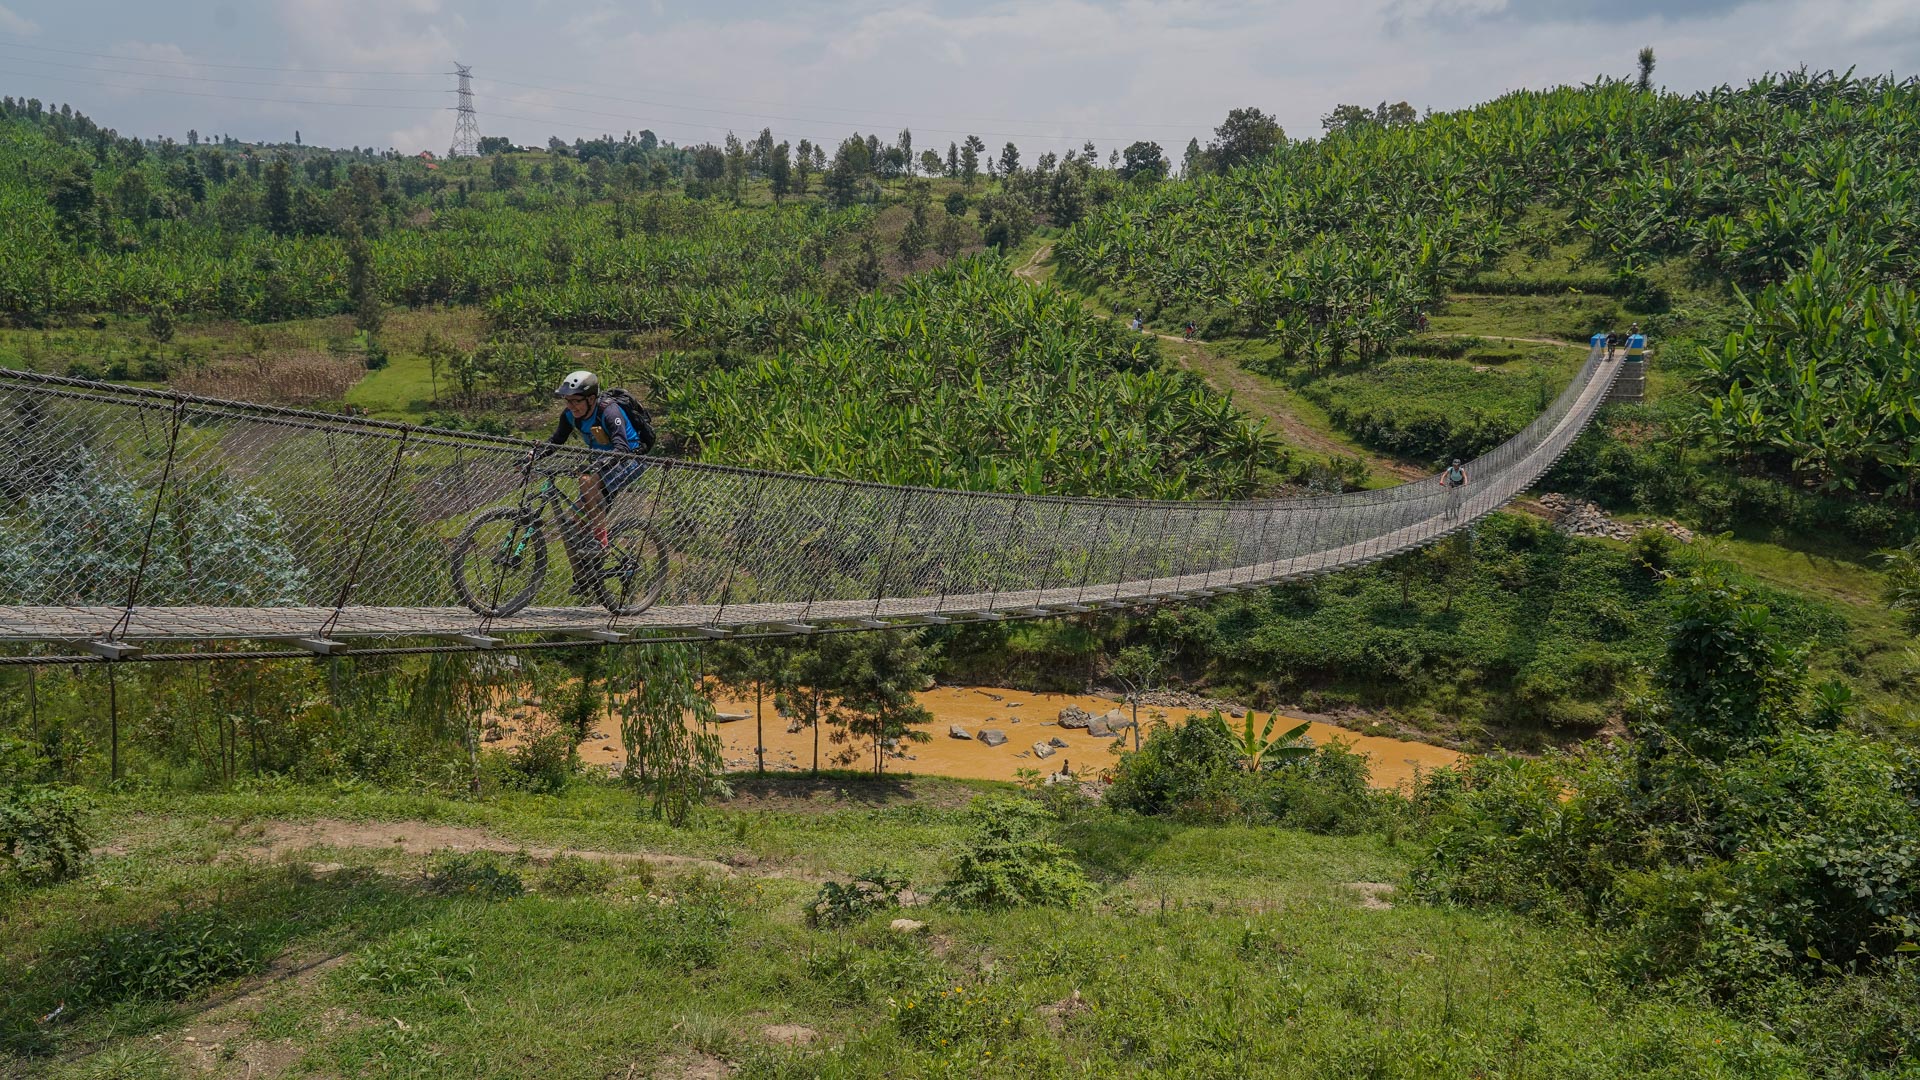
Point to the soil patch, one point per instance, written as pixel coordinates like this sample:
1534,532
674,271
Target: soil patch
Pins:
275,838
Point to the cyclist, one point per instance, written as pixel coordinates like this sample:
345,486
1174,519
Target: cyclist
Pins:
1615,339
1454,479
603,425
1190,329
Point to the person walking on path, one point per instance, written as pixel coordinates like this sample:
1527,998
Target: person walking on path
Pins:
1455,481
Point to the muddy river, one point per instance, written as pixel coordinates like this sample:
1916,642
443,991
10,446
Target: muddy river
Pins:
1022,717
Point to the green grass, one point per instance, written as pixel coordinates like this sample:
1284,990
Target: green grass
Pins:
1211,952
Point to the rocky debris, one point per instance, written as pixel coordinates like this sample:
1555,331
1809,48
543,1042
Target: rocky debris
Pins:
990,694
729,717
1073,716
1015,704
906,926
793,726
1180,699
1043,750
1098,728
596,736
955,731
1057,743
993,737
1057,1014
494,734
1578,517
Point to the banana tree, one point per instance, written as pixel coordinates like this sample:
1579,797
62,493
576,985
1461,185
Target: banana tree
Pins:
1258,751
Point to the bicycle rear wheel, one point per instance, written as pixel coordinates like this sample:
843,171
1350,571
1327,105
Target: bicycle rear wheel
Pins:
500,561
632,571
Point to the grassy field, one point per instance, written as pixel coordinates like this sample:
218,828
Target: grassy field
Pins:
302,932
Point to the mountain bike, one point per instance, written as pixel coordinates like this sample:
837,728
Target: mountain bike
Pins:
500,560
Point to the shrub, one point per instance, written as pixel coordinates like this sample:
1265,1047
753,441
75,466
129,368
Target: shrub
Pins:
543,765
571,875
480,874
870,891
1193,771
43,836
413,960
1005,860
175,956
689,932
1179,765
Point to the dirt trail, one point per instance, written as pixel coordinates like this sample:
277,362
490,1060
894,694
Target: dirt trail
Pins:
1255,394
1526,340
270,839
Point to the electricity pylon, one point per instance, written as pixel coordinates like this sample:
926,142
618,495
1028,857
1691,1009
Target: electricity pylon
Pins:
466,129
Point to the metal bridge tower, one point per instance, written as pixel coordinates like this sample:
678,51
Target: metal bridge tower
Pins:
466,129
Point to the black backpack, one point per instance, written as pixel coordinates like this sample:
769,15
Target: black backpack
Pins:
636,413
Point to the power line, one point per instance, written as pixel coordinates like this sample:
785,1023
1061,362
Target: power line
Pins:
233,97
224,67
225,82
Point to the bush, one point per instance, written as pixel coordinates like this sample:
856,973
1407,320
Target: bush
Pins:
1180,765
479,874
177,955
543,765
413,960
870,891
43,836
571,875
1193,771
1005,861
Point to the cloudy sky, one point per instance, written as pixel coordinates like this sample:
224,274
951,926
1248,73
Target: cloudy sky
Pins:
1046,74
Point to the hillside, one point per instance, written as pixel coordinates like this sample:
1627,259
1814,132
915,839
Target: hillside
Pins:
1701,861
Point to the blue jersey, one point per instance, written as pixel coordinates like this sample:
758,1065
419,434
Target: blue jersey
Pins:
605,428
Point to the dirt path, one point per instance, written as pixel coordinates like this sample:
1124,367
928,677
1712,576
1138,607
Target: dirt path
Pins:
1256,394
1500,337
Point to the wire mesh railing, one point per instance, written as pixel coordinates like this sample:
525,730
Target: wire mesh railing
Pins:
136,515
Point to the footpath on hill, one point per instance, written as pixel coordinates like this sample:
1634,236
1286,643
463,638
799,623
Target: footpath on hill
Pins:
1257,395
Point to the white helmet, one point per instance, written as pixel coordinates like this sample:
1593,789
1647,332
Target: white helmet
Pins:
578,383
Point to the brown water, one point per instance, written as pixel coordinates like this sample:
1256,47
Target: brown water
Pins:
1025,719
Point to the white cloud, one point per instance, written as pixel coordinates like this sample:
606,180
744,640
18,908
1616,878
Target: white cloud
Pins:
13,23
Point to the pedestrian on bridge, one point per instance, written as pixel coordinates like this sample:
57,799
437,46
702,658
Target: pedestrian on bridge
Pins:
1455,481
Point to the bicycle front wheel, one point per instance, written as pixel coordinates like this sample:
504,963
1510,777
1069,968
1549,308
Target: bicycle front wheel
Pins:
500,561
633,569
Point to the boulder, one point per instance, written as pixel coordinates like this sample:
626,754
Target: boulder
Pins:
1074,717
957,732
1114,717
906,926
728,717
1098,728
993,737
1057,742
1041,749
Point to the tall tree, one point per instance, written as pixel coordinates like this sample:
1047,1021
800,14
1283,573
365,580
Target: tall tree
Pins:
913,238
953,160
1144,162
802,166
1645,81
970,161
280,196
1009,160
905,145
74,213
930,162
666,726
1247,135
780,173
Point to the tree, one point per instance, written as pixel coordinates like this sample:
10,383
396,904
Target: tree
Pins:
952,235
757,666
970,161
666,727
736,166
494,144
503,172
280,197
1009,160
904,144
930,162
1144,161
802,166
1192,161
132,199
780,173
1137,669
913,238
953,160
1730,676
1355,117
878,675
73,204
1645,82
867,273
1246,136
1903,584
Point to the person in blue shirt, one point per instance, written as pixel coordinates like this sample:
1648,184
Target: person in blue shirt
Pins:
603,425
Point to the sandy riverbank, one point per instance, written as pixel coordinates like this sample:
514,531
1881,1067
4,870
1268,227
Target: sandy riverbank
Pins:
1025,719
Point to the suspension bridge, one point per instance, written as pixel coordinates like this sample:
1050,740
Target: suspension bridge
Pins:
150,524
